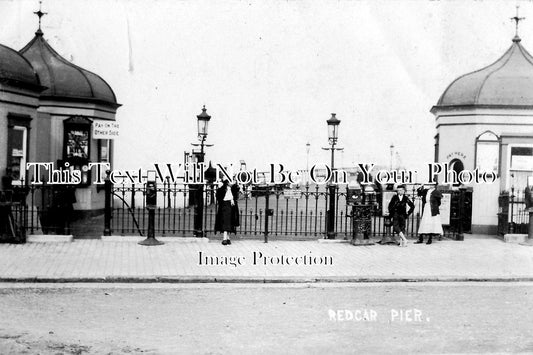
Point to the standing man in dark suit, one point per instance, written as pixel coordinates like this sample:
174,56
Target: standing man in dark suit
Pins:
399,213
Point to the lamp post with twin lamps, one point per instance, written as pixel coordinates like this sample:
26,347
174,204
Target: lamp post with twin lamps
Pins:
203,125
333,134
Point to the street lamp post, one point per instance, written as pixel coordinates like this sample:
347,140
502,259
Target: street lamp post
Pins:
203,125
211,176
333,134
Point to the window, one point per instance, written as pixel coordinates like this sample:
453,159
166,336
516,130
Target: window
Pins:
436,148
522,158
521,166
488,152
457,166
104,154
17,147
18,150
76,148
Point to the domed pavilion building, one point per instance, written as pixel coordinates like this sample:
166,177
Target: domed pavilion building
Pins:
484,120
50,108
73,99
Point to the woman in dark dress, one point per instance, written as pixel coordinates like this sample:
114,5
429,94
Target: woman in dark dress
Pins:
227,218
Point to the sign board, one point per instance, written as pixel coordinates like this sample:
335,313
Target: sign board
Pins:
445,208
387,196
105,129
292,193
521,162
522,158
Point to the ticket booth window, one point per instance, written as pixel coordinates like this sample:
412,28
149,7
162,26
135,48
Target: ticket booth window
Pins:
521,166
76,145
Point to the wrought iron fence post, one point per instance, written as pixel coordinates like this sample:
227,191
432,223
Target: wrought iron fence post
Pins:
199,211
107,205
528,202
511,202
530,227
132,203
267,212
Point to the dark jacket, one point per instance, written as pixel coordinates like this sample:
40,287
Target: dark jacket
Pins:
235,220
434,199
399,207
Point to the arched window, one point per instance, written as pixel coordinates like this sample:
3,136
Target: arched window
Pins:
436,148
488,152
457,166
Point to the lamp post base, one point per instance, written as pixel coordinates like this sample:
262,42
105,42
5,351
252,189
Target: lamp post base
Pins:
331,235
150,242
528,243
198,234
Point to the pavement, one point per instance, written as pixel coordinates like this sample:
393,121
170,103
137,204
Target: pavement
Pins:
477,258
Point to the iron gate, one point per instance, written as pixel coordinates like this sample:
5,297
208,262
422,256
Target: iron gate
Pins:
513,216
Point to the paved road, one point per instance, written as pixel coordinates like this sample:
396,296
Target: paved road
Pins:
236,318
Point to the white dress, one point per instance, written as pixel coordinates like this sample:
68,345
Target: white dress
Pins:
430,224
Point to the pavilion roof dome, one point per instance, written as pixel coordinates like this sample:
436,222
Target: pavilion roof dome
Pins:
63,79
16,70
506,82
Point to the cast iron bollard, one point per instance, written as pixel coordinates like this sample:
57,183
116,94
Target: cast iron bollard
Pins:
361,215
362,222
151,204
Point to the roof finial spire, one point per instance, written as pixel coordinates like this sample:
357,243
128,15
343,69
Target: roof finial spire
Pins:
517,20
40,14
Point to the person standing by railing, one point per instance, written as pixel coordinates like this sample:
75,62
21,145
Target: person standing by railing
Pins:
227,218
399,213
430,223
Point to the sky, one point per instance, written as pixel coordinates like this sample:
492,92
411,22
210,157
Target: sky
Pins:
271,72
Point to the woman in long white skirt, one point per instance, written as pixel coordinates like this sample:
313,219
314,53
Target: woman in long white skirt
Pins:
430,223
